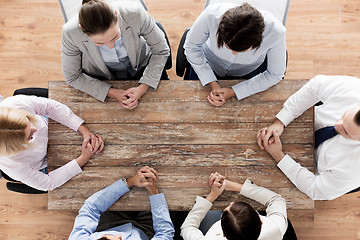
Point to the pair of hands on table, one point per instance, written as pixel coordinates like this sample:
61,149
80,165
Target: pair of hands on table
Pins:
145,177
128,99
268,138
92,144
218,184
219,95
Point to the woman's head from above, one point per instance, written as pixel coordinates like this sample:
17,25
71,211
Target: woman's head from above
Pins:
99,21
17,128
241,28
240,221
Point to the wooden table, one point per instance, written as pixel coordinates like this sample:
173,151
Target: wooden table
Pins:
176,131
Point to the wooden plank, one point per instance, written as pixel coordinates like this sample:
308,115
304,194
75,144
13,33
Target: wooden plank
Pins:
180,133
180,176
178,90
137,199
162,112
179,155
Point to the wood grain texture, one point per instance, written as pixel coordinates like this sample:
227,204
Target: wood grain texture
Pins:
179,155
180,133
138,199
178,90
194,139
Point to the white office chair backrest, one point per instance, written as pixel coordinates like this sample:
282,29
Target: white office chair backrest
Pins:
70,8
279,8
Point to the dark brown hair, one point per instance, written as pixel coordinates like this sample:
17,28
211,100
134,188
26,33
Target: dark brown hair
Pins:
357,118
102,238
96,17
241,221
241,28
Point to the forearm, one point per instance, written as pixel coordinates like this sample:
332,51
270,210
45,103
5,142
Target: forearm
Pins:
233,186
160,51
162,223
306,181
301,100
190,227
258,83
55,178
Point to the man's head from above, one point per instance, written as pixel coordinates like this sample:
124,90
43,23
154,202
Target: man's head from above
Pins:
110,237
240,221
348,125
241,28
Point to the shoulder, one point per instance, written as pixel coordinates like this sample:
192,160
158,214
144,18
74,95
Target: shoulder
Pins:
72,29
17,101
126,8
218,9
335,81
72,24
272,25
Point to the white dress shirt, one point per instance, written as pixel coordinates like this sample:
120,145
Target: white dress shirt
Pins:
273,227
338,158
203,54
25,166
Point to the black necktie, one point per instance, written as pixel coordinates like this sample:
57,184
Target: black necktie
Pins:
324,134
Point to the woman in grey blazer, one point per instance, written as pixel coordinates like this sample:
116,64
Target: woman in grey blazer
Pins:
108,42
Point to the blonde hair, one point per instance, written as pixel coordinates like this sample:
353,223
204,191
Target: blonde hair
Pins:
12,130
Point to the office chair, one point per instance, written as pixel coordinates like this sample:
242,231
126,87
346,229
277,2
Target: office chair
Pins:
279,8
12,184
70,8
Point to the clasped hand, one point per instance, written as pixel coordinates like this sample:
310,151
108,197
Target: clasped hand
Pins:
219,95
217,182
129,99
268,138
145,177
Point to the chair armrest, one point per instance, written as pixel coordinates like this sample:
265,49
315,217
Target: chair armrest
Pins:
181,61
168,63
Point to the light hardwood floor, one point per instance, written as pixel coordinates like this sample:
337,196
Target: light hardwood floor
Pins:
323,37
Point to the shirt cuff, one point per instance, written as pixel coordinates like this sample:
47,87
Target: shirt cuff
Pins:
246,187
203,202
157,200
285,117
237,89
74,167
121,186
76,122
286,164
151,83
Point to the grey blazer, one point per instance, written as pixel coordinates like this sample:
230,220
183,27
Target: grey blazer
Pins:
83,66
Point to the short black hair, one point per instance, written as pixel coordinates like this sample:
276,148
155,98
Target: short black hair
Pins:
103,238
241,221
357,118
241,28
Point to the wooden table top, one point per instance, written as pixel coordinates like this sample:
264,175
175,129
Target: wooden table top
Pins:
176,131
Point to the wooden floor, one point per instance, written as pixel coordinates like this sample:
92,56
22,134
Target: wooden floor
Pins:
323,37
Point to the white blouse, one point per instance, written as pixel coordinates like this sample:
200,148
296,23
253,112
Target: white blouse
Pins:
25,166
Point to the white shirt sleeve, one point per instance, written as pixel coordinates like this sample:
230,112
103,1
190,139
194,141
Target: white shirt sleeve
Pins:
44,106
276,66
324,186
303,99
39,180
195,40
190,227
275,208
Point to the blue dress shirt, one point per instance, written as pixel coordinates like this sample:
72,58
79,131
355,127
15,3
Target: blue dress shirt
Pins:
203,54
89,214
116,59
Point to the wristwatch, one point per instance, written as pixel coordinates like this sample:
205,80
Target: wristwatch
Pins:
125,182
